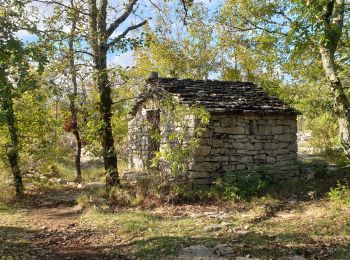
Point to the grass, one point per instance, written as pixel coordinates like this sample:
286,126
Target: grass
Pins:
287,221
92,171
316,228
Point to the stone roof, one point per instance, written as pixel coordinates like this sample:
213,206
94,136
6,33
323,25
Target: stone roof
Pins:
216,96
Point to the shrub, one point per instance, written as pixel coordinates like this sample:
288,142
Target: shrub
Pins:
241,185
340,194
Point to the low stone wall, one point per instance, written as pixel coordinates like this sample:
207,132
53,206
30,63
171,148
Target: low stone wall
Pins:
234,144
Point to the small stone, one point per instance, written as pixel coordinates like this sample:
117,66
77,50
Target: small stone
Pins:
94,186
61,181
296,257
223,250
213,228
100,201
80,186
247,257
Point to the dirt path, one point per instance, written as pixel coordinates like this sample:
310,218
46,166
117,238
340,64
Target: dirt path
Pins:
53,231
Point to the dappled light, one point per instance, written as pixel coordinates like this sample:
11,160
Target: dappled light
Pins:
184,129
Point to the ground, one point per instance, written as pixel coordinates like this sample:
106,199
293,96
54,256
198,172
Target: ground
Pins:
294,221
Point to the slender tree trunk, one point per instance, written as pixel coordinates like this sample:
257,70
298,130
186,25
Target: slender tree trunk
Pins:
98,40
106,135
73,97
101,39
12,152
12,149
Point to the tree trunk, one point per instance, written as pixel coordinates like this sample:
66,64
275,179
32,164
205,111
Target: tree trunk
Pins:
341,101
73,97
12,149
98,40
333,25
106,135
101,39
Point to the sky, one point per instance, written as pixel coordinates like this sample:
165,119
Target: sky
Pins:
126,58
123,59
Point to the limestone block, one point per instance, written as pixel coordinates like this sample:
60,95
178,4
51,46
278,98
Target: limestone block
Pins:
220,151
200,158
241,167
258,146
246,152
286,157
281,151
264,130
203,150
277,130
197,174
219,158
260,157
228,122
220,130
218,143
239,146
236,137
234,158
270,159
229,168
293,147
286,137
246,159
238,130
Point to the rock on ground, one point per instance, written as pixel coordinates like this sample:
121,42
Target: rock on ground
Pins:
201,252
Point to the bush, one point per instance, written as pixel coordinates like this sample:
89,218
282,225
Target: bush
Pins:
340,194
241,185
155,188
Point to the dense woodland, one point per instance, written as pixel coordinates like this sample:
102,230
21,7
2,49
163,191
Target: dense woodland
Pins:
65,98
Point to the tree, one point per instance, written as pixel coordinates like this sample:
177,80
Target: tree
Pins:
17,75
74,16
303,36
331,17
102,40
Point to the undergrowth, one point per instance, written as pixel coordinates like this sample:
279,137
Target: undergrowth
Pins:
155,188
340,194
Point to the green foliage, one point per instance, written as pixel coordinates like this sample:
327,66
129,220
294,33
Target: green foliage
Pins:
324,132
340,194
188,125
240,186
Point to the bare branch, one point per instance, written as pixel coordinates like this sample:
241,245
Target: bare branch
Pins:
122,35
49,2
85,52
121,18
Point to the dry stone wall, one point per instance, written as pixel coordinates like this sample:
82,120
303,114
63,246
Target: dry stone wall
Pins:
138,140
236,144
233,144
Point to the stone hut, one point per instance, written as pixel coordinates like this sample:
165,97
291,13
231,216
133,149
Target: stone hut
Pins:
248,129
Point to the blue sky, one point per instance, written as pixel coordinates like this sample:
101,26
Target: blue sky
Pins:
126,58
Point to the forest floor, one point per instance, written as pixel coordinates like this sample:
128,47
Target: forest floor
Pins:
296,221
